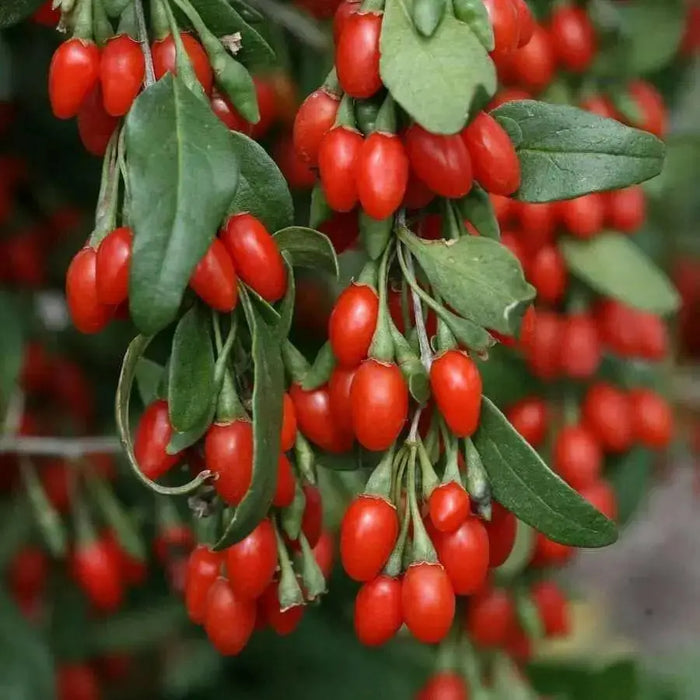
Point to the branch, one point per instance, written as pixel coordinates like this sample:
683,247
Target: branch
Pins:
70,448
150,76
304,29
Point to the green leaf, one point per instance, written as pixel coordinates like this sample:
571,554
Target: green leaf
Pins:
149,375
183,174
11,344
320,371
307,247
286,307
477,208
180,441
630,475
268,386
14,11
478,277
474,13
191,381
525,485
434,79
566,152
614,266
262,190
427,15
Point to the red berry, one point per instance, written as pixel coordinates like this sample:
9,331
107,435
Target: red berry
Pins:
267,105
543,347
550,553
607,413
228,114
324,553
152,437
577,457
77,682
449,506
530,418
650,103
164,59
96,570
465,555
337,160
573,38
312,519
538,222
427,602
214,278
284,622
313,121
339,388
625,209
600,105
601,496
203,567
352,324
113,263
581,350
553,608
298,174
251,563
584,216
87,313
229,620
74,72
357,54
228,453
345,9
618,327
367,536
444,685
652,419
490,617
288,434
526,22
342,229
378,614
652,341
548,274
121,72
505,21
533,66
501,531
286,485
28,573
95,126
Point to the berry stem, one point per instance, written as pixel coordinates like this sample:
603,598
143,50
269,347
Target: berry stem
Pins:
150,75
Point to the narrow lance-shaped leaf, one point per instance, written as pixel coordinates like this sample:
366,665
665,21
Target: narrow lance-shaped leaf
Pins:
307,247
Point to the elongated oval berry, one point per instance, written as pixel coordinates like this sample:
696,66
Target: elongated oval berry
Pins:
465,555
501,531
77,681
578,458
352,324
251,563
313,121
343,11
95,126
203,568
312,519
456,385
255,255
652,419
152,437
449,506
95,569
284,622
214,278
228,114
548,274
530,418
286,485
625,209
121,73
651,106
505,21
379,398
601,495
490,617
165,59
573,38
367,536
378,614
229,620
534,65
381,174
86,311
526,22
583,216
357,55
113,263
441,162
553,608
288,434
581,348
427,602
444,685
607,413
339,388
337,161
228,453
74,72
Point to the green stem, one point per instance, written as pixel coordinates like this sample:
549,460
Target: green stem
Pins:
423,550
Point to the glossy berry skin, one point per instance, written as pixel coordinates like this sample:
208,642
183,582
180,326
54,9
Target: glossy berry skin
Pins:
494,160
538,222
607,413
504,19
87,313
441,162
357,55
625,210
152,437
543,349
339,387
228,114
465,555
530,418
113,263
490,617
121,73
314,119
95,126
601,496
344,10
427,602
296,172
456,386
548,274
534,65
228,453
577,456
501,531
74,72
526,22
77,681
95,569
652,419
581,349
573,38
379,400
448,506
164,59
367,536
378,614
229,619
214,278
286,485
267,104
352,324
550,553
203,568
381,174
553,608
284,622
651,106
337,160
288,433
584,216
444,685
251,563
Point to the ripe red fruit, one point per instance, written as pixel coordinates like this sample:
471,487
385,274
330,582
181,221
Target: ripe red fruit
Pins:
203,567
526,22
378,614
342,229
650,104
600,105
449,506
444,685
312,519
465,555
581,350
267,105
379,399
367,536
530,418
538,222
324,553
501,531
28,572
381,174
337,159
288,433
427,602
298,174
284,622
77,682
548,274
490,617
339,387
601,495
284,491
228,114
345,9
87,313
228,453
618,326
553,608
652,341
251,563
533,66
74,72
214,278
494,160
505,21
121,72
113,263
456,386
95,126
607,412
255,256
550,553
441,162
313,121
316,421
229,620
625,209
652,419
573,38
152,437
584,216
164,59
543,347
578,458
357,54
352,324
95,569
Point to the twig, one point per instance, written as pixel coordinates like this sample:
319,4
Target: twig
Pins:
304,29
150,76
71,448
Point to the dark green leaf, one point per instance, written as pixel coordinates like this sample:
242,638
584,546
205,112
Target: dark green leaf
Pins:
262,190
182,440
566,152
11,344
478,277
357,458
319,211
16,527
191,382
630,475
320,371
308,248
286,307
506,377
375,234
14,11
474,13
477,208
249,14
525,485
267,311
183,174
614,266
148,377
435,80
